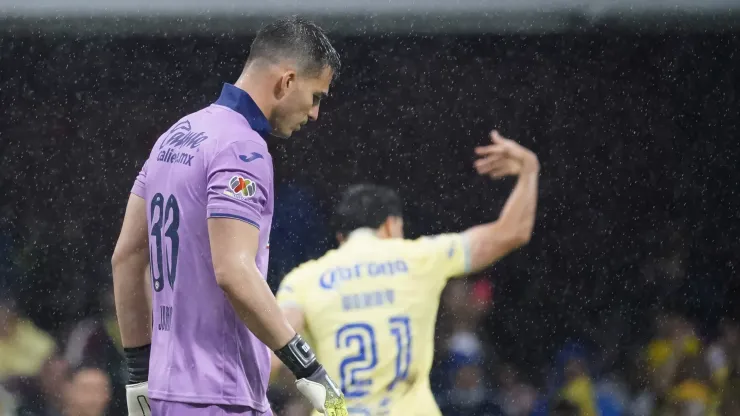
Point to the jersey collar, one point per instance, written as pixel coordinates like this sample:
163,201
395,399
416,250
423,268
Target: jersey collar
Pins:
361,233
238,100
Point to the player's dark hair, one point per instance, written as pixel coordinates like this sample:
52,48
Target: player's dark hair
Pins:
366,206
299,39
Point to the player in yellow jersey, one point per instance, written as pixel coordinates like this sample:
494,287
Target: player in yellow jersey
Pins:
369,307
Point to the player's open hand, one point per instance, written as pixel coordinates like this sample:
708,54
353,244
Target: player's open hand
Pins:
504,158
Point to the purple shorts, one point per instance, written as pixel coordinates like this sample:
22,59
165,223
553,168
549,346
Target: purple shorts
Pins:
167,408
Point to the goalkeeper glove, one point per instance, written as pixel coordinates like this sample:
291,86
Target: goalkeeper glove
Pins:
311,378
137,389
137,399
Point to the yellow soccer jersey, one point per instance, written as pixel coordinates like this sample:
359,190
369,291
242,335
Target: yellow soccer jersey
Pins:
370,309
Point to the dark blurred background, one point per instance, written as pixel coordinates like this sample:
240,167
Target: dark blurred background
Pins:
625,301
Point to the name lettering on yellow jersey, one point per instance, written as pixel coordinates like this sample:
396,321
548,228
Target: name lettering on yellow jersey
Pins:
368,299
331,278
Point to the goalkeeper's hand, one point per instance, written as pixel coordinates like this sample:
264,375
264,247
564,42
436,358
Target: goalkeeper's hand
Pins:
323,394
311,378
137,389
137,399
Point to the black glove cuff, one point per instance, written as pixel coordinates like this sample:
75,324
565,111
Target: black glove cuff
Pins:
137,360
298,357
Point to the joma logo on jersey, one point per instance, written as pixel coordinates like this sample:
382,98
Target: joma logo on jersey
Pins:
181,135
331,278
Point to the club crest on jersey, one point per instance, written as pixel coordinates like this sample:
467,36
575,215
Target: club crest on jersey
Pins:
241,188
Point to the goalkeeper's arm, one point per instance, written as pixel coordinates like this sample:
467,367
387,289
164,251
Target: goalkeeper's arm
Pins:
295,318
234,246
132,292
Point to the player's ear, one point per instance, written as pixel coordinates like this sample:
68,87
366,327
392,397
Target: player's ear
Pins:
287,82
386,229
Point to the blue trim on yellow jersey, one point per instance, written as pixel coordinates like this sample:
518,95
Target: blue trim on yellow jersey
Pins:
236,217
238,100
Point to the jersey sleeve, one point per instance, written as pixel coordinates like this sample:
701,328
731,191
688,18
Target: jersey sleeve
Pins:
239,179
140,182
443,256
291,291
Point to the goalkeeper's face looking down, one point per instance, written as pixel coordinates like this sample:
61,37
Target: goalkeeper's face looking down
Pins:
372,207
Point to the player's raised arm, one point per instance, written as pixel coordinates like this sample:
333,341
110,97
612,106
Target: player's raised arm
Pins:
489,242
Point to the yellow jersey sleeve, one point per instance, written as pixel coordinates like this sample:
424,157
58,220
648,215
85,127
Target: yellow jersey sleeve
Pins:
291,292
443,256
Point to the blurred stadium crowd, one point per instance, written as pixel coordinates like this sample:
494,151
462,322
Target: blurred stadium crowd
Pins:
623,304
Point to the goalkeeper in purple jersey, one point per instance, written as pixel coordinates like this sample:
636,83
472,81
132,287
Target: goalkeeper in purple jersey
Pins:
198,334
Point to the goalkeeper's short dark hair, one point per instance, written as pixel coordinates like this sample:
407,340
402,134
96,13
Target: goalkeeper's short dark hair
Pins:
297,39
366,206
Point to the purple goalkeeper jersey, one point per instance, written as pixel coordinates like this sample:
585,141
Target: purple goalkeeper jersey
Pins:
213,163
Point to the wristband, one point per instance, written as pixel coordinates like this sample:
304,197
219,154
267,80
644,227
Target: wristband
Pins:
298,357
137,360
